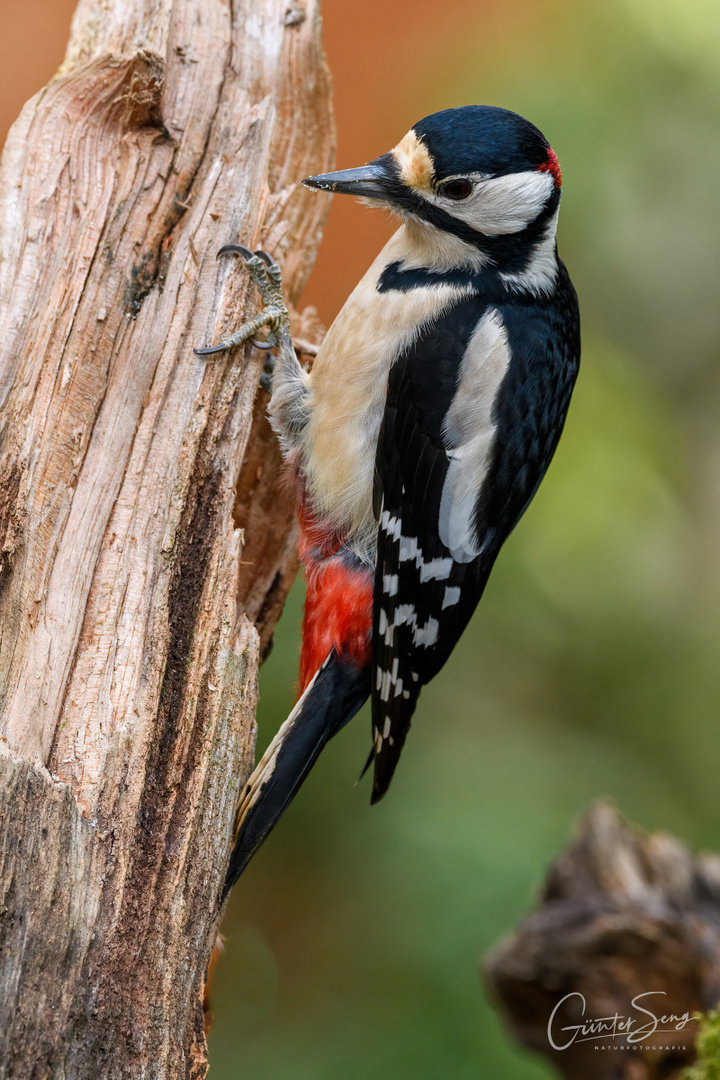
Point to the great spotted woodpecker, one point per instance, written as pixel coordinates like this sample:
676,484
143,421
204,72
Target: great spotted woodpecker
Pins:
421,434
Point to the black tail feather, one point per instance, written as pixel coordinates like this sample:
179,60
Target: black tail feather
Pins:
335,695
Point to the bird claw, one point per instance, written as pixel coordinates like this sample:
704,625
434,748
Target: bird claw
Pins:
266,379
267,276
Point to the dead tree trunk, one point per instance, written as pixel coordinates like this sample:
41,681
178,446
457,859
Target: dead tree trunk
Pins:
127,665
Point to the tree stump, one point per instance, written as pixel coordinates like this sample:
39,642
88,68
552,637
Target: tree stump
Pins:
628,930
128,659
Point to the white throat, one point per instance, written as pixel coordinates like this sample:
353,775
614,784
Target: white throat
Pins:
428,246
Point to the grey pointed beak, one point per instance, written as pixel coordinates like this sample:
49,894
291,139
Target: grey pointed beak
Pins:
373,181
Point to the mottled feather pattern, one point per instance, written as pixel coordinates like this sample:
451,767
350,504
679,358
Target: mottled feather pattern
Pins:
422,432
411,466
423,598
347,392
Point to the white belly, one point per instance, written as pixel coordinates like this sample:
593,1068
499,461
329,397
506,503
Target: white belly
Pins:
348,390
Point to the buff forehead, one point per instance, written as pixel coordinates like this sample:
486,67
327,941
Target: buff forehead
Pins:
415,162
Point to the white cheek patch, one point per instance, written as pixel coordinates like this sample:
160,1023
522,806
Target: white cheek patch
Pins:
540,272
506,204
468,433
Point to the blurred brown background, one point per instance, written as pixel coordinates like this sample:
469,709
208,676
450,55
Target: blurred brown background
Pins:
591,667
376,52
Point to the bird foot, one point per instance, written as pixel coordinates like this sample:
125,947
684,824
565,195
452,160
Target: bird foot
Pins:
267,276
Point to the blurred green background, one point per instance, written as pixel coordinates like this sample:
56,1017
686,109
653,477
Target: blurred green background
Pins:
591,666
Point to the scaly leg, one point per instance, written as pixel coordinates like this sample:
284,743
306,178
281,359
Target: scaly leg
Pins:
266,274
283,378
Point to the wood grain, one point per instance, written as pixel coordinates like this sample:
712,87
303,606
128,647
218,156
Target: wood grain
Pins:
128,662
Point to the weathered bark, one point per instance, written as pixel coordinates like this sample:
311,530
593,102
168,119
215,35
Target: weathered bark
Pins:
623,916
127,663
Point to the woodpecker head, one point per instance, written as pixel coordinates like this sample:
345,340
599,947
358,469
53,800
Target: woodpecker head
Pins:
485,175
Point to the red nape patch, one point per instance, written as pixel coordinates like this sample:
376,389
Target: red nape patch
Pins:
552,165
338,612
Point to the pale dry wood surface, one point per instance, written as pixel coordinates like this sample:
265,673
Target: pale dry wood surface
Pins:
127,663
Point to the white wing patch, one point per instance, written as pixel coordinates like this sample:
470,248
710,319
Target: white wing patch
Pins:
405,615
451,596
390,525
469,431
437,569
390,685
390,584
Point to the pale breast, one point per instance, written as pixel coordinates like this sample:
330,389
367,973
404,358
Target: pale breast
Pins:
349,385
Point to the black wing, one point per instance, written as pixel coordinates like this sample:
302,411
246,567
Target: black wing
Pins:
425,593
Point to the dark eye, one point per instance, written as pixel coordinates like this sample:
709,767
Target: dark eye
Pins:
456,189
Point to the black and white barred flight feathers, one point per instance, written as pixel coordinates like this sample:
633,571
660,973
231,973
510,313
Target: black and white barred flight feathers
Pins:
419,438
453,478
